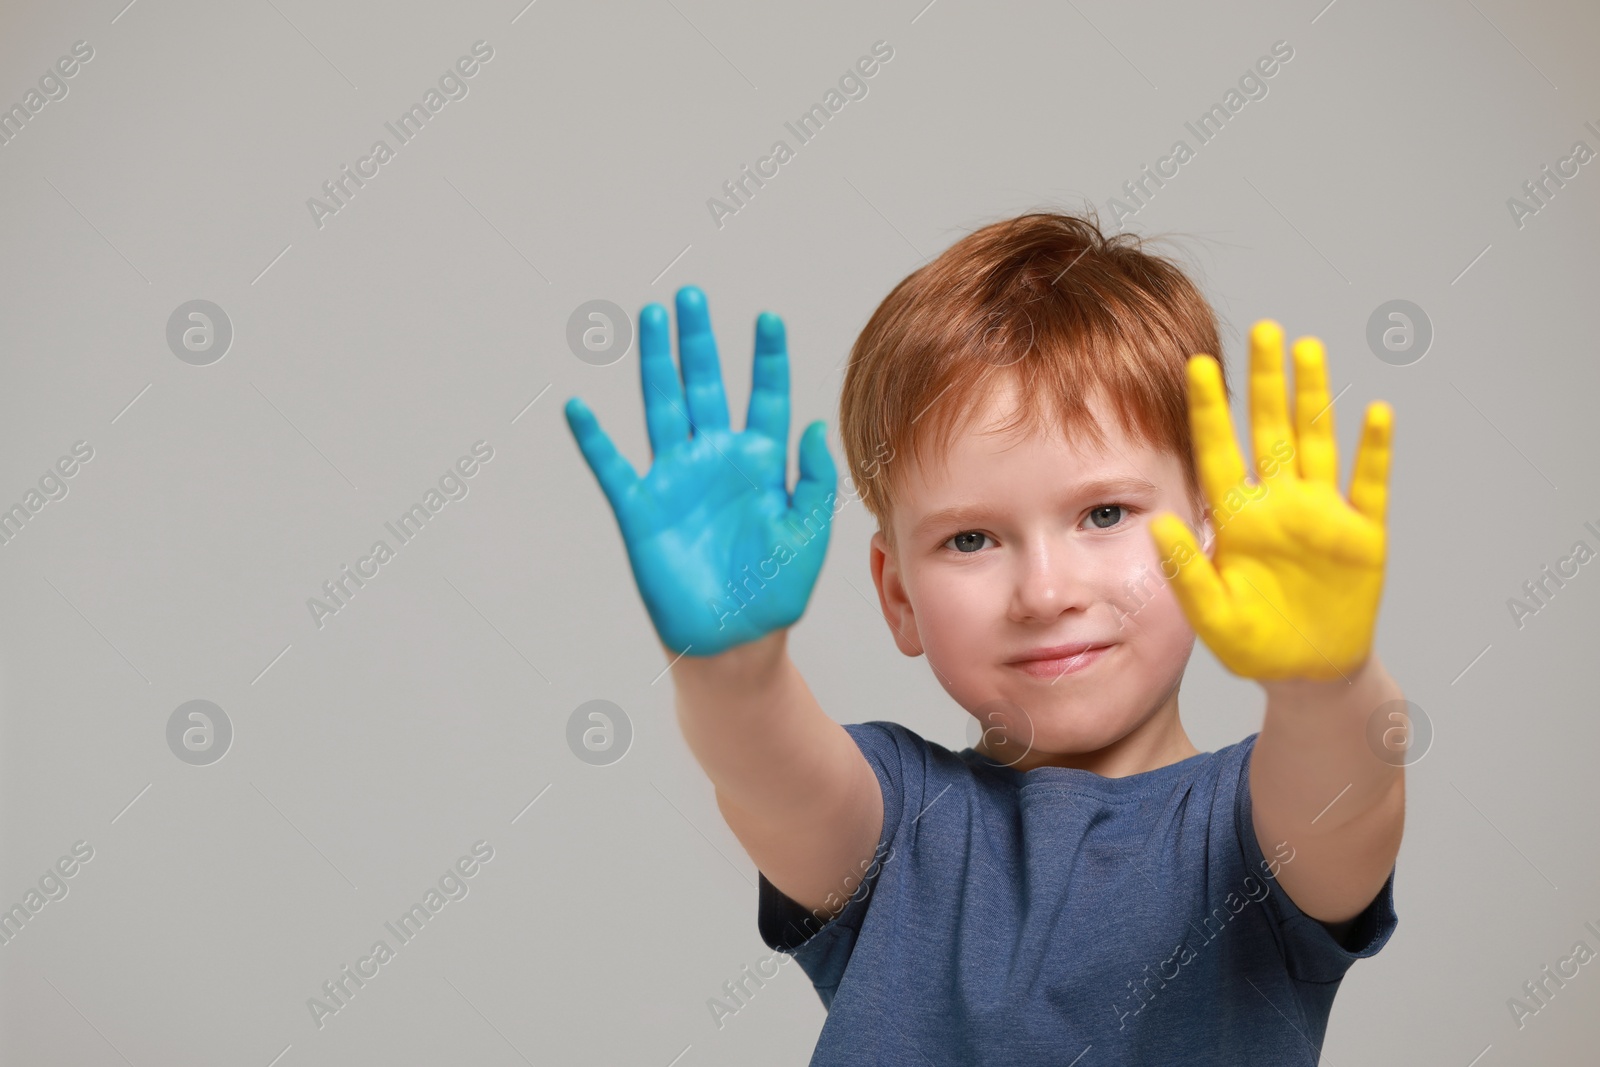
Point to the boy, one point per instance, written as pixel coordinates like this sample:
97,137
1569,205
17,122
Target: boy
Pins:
1026,416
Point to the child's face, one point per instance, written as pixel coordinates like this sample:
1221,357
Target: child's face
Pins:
1042,559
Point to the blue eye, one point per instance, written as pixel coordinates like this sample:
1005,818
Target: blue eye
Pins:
968,534
1105,507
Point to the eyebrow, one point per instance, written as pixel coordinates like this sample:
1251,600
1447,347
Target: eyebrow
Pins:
1095,487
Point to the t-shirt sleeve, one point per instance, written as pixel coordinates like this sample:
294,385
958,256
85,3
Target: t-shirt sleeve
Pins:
823,948
1310,951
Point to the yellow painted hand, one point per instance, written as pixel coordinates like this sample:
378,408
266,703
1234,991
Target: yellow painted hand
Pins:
1292,586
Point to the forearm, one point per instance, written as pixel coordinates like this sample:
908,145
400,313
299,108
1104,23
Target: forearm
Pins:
791,783
1317,783
1314,747
756,729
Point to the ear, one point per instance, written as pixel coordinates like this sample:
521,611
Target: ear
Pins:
892,596
1208,534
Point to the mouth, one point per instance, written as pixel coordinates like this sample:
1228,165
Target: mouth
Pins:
1053,663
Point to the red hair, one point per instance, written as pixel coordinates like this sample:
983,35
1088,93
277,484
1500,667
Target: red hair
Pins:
1049,300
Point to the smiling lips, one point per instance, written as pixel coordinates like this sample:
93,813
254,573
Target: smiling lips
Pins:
1055,661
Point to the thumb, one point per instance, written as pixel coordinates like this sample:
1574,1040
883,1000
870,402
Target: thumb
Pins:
1194,579
819,479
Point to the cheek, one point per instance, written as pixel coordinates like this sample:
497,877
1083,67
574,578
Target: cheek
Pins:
1132,573
950,614
1148,605
1164,638
956,615
1169,621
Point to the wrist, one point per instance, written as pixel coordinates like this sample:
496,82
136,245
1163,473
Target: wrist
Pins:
1365,680
746,666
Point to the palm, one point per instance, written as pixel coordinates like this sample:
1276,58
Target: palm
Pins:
721,552
1297,573
1314,566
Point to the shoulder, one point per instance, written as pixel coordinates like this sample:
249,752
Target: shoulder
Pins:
898,751
882,733
925,784
1223,774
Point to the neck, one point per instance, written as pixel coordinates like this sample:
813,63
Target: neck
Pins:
1155,742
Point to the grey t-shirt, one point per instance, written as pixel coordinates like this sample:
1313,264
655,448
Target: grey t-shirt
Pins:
1029,918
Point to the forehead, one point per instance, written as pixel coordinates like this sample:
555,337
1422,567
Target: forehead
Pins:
987,452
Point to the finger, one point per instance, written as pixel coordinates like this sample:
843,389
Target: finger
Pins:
1313,414
1270,438
810,509
611,468
697,352
769,384
665,414
1216,449
1190,572
1369,486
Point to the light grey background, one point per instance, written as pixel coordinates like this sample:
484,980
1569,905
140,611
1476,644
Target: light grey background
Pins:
431,312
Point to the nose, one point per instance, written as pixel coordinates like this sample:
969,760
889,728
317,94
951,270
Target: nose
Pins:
1051,577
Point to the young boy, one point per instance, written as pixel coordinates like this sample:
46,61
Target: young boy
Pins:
1026,416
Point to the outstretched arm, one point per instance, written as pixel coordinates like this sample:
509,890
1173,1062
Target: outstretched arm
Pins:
1291,599
725,558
